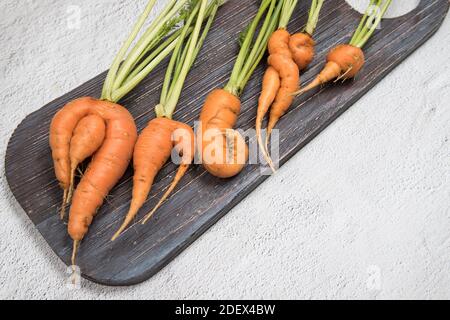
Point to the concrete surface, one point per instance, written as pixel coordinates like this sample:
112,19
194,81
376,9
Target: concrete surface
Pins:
362,212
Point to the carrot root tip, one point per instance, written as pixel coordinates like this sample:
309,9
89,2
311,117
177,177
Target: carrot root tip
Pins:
180,173
76,245
265,153
119,232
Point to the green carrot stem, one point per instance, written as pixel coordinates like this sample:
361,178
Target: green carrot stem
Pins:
130,85
262,51
106,92
212,11
154,54
286,13
313,18
363,22
370,22
154,31
176,54
194,45
233,85
259,47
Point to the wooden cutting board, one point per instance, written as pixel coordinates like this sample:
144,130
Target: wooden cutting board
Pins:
200,200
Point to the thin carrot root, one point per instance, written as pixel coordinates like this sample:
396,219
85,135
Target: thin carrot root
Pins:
76,245
270,87
118,134
265,153
72,186
130,216
223,149
180,173
62,211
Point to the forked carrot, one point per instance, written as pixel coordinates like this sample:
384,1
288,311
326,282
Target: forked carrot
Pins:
288,55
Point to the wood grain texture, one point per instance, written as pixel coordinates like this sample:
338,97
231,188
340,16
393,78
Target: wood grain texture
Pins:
200,200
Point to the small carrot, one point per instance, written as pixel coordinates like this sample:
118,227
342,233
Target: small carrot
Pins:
302,44
302,47
223,150
345,61
290,78
288,55
156,142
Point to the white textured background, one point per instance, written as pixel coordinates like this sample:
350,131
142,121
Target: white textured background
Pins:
362,212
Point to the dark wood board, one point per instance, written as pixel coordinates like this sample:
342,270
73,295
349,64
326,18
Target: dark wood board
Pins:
200,200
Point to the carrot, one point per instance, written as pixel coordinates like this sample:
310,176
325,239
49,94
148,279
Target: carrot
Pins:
288,55
109,162
345,61
302,47
103,129
302,44
156,142
223,150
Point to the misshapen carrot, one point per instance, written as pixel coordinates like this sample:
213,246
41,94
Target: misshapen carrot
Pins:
103,129
279,43
280,81
108,164
343,62
288,55
302,47
153,149
224,151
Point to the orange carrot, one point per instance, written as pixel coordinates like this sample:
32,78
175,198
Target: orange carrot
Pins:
280,81
346,60
343,62
290,78
270,87
302,47
108,164
87,138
